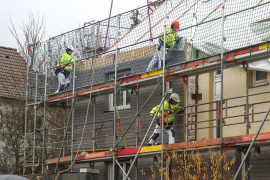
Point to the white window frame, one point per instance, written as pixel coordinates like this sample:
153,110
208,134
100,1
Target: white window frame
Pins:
122,107
125,165
259,82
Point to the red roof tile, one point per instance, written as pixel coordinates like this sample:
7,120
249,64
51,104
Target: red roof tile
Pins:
12,73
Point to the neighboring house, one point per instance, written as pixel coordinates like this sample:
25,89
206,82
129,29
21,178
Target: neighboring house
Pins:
12,78
13,74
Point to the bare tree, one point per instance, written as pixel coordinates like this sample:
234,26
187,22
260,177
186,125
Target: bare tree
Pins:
33,31
11,135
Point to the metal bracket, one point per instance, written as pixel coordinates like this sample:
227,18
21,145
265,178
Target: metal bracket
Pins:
197,96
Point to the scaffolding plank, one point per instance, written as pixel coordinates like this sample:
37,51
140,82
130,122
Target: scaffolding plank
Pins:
263,46
127,151
261,136
152,73
95,155
151,149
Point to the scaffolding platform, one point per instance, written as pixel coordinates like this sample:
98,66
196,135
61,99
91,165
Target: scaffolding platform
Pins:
234,141
188,68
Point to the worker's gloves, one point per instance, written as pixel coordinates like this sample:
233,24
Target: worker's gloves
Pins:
182,110
178,39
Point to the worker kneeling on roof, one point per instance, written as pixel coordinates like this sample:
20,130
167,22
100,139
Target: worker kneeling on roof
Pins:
63,69
171,107
171,40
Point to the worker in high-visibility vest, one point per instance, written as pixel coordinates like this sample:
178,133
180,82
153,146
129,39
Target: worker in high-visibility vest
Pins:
63,69
171,107
171,40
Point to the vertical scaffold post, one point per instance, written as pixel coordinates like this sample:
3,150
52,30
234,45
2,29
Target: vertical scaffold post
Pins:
26,109
137,130
186,122
94,123
247,105
221,85
44,116
115,93
72,114
163,88
35,114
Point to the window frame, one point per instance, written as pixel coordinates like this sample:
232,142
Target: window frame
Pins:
259,82
122,107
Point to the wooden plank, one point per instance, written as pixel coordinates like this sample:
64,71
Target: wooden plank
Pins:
261,136
131,78
65,159
152,73
127,151
95,155
233,140
193,144
80,156
109,153
151,149
263,46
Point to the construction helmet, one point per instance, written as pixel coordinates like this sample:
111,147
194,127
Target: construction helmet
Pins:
70,48
175,97
175,25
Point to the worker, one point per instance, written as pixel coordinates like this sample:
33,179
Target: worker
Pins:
171,40
171,107
63,69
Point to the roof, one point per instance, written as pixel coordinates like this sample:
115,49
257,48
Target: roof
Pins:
12,73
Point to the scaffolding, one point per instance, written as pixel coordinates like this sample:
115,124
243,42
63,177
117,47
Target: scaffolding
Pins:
112,57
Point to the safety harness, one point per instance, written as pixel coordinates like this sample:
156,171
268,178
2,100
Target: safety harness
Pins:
167,114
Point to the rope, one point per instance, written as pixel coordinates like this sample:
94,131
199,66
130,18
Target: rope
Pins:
89,102
104,49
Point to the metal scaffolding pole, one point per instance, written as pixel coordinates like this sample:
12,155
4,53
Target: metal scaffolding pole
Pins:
247,103
94,123
44,120
221,87
151,123
115,93
26,109
251,144
35,122
163,88
72,113
138,127
186,121
138,113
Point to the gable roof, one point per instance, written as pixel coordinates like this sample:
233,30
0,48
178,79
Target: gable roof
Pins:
12,73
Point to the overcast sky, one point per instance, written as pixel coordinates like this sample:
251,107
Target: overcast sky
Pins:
60,15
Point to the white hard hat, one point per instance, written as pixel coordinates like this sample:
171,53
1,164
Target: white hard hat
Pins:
175,97
70,47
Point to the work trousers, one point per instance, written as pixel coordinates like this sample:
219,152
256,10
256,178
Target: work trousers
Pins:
169,130
158,57
63,82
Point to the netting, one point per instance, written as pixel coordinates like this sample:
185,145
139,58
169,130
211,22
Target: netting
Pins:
246,23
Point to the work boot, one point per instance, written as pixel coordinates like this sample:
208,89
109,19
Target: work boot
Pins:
62,87
67,86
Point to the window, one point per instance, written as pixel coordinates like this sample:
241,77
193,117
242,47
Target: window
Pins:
119,175
122,97
120,73
260,78
169,86
122,100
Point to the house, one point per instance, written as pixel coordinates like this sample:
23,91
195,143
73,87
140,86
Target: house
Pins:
223,107
12,97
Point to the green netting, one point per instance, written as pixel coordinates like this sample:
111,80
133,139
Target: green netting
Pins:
246,23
